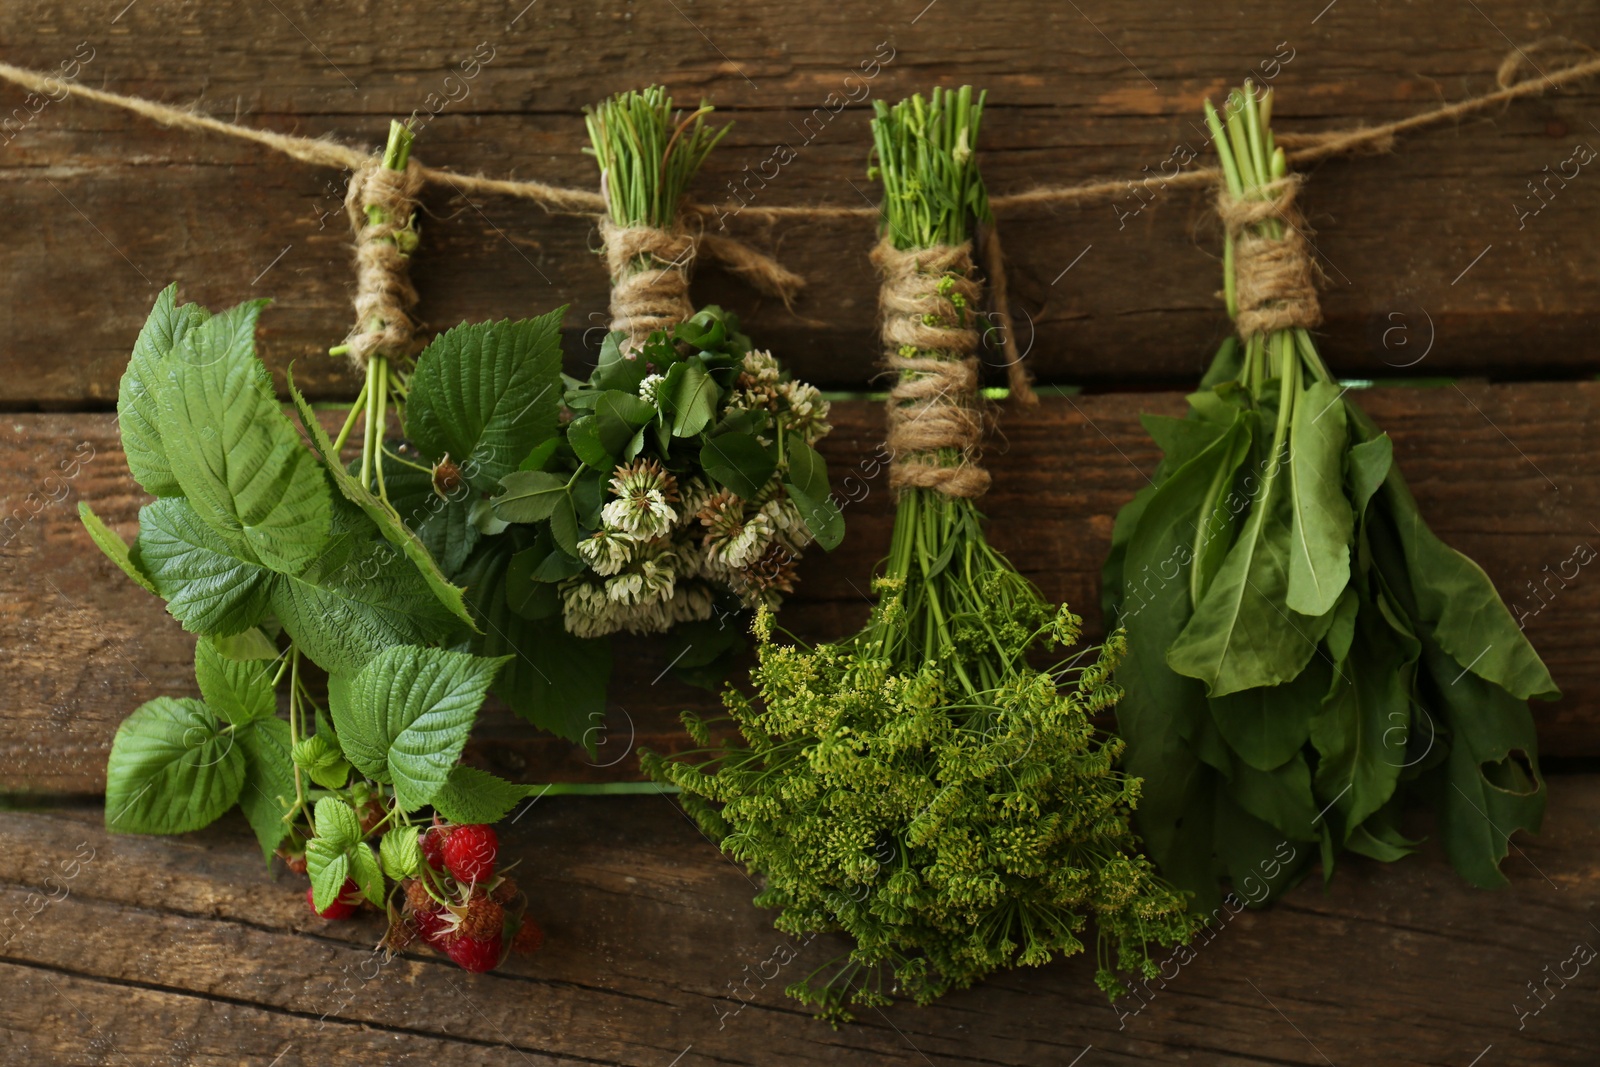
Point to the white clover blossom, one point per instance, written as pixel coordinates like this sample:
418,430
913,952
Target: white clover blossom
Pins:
643,505
648,387
608,551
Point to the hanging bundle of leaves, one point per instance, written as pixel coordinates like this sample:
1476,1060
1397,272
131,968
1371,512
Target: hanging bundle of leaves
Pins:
686,482
283,560
920,786
1305,655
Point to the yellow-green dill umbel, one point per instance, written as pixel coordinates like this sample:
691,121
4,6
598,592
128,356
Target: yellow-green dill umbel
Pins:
921,786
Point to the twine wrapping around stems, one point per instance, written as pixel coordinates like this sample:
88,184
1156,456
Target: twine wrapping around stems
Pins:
649,278
1274,277
928,302
385,298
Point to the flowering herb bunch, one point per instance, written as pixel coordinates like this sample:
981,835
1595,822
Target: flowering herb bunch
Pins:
687,478
686,481
921,786
1305,656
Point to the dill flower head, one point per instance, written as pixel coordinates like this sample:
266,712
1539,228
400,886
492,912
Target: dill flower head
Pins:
644,495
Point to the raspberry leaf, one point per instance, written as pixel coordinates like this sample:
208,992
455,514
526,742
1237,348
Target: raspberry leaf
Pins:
367,873
486,393
239,691
268,789
207,588
401,852
322,760
234,452
405,716
328,853
112,544
473,796
138,413
173,768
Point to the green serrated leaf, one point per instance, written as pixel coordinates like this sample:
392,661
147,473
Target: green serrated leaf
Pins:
268,791
486,393
252,644
321,758
401,852
239,691
328,859
172,769
367,873
115,548
738,462
234,452
405,716
336,823
207,588
138,411
383,517
474,796
530,496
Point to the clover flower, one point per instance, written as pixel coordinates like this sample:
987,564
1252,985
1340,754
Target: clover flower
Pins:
644,496
607,551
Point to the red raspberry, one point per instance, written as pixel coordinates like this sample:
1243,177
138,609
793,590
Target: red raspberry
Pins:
469,852
475,954
528,938
505,892
432,927
417,896
433,847
344,905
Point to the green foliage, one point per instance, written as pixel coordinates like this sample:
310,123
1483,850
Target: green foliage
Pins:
647,155
1305,656
473,796
174,767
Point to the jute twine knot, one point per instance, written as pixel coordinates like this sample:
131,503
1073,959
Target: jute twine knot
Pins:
933,403
1274,277
649,278
385,298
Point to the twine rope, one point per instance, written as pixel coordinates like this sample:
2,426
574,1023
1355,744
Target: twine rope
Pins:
385,300
649,278
927,302
1274,277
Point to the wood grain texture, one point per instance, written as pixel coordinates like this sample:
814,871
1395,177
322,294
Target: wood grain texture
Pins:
185,950
1424,250
1501,472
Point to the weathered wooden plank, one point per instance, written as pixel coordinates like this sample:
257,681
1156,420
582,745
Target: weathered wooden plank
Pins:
1501,472
1425,250
186,948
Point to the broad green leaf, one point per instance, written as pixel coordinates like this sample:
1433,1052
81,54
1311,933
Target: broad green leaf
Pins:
738,462
536,460
583,434
233,450
1256,856
1265,727
368,874
384,517
474,796
616,370
401,852
1111,573
554,680
238,691
1161,709
530,496
322,760
1490,786
1180,440
1226,365
1362,728
618,418
807,469
138,414
354,601
1370,461
268,789
1323,524
336,823
206,587
252,644
1241,635
822,516
172,769
564,526
1459,604
689,397
406,716
1280,796
115,548
485,393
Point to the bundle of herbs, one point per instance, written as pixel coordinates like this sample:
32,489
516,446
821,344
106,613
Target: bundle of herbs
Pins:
287,564
1304,655
686,482
920,786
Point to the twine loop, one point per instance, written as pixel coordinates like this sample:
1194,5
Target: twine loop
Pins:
385,298
1274,277
928,301
649,270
